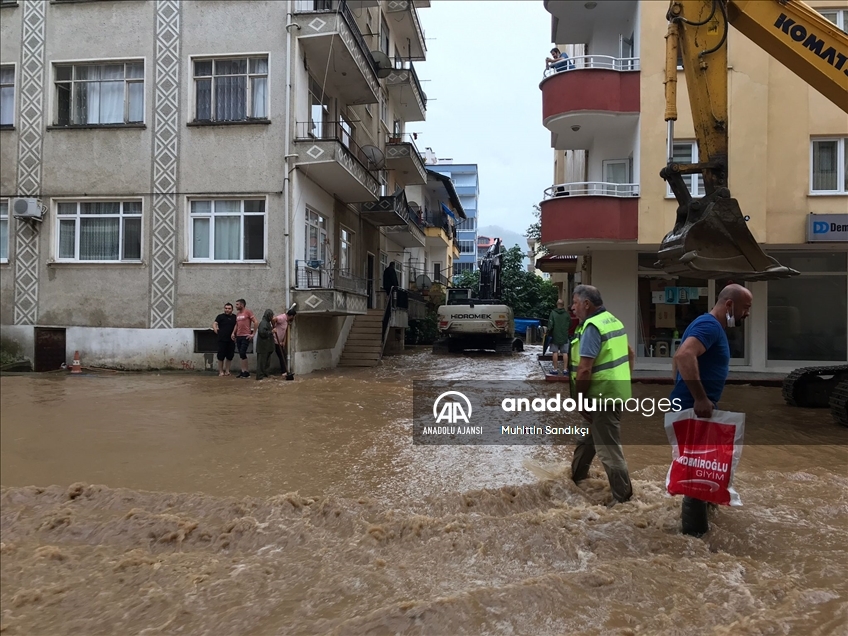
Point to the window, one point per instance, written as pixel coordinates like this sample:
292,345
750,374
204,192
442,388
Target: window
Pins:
319,109
316,239
802,330
7,95
97,94
228,230
345,251
384,109
99,231
459,268
829,166
838,16
467,224
687,152
346,131
4,230
467,247
384,35
231,89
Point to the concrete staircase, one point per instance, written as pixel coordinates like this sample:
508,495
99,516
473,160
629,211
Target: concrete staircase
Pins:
365,342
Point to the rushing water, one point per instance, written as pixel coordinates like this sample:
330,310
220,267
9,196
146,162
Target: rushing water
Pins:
193,504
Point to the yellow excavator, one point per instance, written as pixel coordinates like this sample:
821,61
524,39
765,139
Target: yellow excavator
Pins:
710,238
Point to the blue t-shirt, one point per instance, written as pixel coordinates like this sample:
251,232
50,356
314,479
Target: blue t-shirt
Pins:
713,364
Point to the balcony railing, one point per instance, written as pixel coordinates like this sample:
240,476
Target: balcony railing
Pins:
592,188
605,62
340,7
314,275
404,138
402,64
332,131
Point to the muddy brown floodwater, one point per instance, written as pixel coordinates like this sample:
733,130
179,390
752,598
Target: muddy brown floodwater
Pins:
191,504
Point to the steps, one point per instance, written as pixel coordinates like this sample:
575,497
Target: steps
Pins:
365,341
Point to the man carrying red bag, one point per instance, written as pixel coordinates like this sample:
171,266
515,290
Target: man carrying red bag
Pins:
700,369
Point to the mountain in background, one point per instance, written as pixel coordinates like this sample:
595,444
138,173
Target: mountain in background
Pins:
508,237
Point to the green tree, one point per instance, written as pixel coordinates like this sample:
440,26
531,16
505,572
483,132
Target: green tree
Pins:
530,296
534,231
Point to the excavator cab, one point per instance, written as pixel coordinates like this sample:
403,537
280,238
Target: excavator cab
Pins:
711,239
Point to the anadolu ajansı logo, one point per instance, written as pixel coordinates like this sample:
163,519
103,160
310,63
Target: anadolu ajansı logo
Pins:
451,410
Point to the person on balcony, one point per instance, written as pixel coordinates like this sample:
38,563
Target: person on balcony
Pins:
558,61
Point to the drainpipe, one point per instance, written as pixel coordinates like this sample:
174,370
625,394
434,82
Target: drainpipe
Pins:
286,141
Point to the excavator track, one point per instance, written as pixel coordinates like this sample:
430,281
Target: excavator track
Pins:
812,387
839,403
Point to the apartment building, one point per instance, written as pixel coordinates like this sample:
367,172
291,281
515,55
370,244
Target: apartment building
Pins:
607,203
185,154
465,178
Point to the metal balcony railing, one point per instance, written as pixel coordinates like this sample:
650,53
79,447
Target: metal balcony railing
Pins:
592,188
314,275
401,64
404,138
581,62
340,7
332,131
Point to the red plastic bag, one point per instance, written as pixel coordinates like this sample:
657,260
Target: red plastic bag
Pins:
705,453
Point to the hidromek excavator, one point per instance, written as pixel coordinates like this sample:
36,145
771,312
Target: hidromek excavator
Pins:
710,238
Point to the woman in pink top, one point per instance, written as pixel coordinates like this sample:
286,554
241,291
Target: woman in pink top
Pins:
281,332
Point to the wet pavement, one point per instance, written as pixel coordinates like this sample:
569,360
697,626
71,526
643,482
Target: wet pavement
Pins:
189,503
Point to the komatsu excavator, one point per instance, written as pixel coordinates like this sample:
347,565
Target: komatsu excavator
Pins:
710,238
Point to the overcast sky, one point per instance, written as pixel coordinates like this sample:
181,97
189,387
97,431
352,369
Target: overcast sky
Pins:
485,59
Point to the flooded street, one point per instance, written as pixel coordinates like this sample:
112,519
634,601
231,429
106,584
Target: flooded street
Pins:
193,504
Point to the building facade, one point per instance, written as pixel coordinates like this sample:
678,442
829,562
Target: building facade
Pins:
185,154
465,178
788,163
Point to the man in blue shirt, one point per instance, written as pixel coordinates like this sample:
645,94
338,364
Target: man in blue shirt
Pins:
700,369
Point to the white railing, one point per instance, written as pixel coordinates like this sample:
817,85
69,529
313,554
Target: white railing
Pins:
592,189
607,62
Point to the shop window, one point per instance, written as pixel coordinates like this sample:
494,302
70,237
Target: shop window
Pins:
808,314
666,307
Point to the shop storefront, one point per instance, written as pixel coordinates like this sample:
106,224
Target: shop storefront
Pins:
805,322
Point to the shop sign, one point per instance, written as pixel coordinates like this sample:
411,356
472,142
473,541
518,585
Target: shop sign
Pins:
827,228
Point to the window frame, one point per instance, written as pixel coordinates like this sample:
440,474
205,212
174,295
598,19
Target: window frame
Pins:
211,216
78,216
690,179
14,86
841,159
347,238
473,245
7,218
841,17
323,231
54,91
227,57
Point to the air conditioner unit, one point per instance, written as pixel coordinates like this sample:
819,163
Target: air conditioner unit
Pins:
27,209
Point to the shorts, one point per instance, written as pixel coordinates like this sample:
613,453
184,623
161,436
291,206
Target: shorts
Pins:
555,348
242,343
226,349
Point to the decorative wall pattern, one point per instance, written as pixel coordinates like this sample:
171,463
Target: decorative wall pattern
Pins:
29,157
165,155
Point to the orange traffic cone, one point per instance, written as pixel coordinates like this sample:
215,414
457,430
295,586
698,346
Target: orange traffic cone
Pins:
76,367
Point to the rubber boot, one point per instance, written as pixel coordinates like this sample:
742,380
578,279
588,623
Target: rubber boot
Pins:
693,517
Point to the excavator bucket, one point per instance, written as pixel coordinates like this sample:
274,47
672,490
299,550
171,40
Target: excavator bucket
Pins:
711,240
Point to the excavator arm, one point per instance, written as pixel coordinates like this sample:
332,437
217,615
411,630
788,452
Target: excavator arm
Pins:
710,237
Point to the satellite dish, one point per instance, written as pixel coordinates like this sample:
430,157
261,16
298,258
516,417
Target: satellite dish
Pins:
383,64
375,157
423,282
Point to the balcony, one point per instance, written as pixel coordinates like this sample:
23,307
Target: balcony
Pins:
328,292
590,212
409,36
330,38
597,95
329,156
403,157
405,89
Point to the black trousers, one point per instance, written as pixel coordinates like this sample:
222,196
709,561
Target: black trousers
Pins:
281,356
